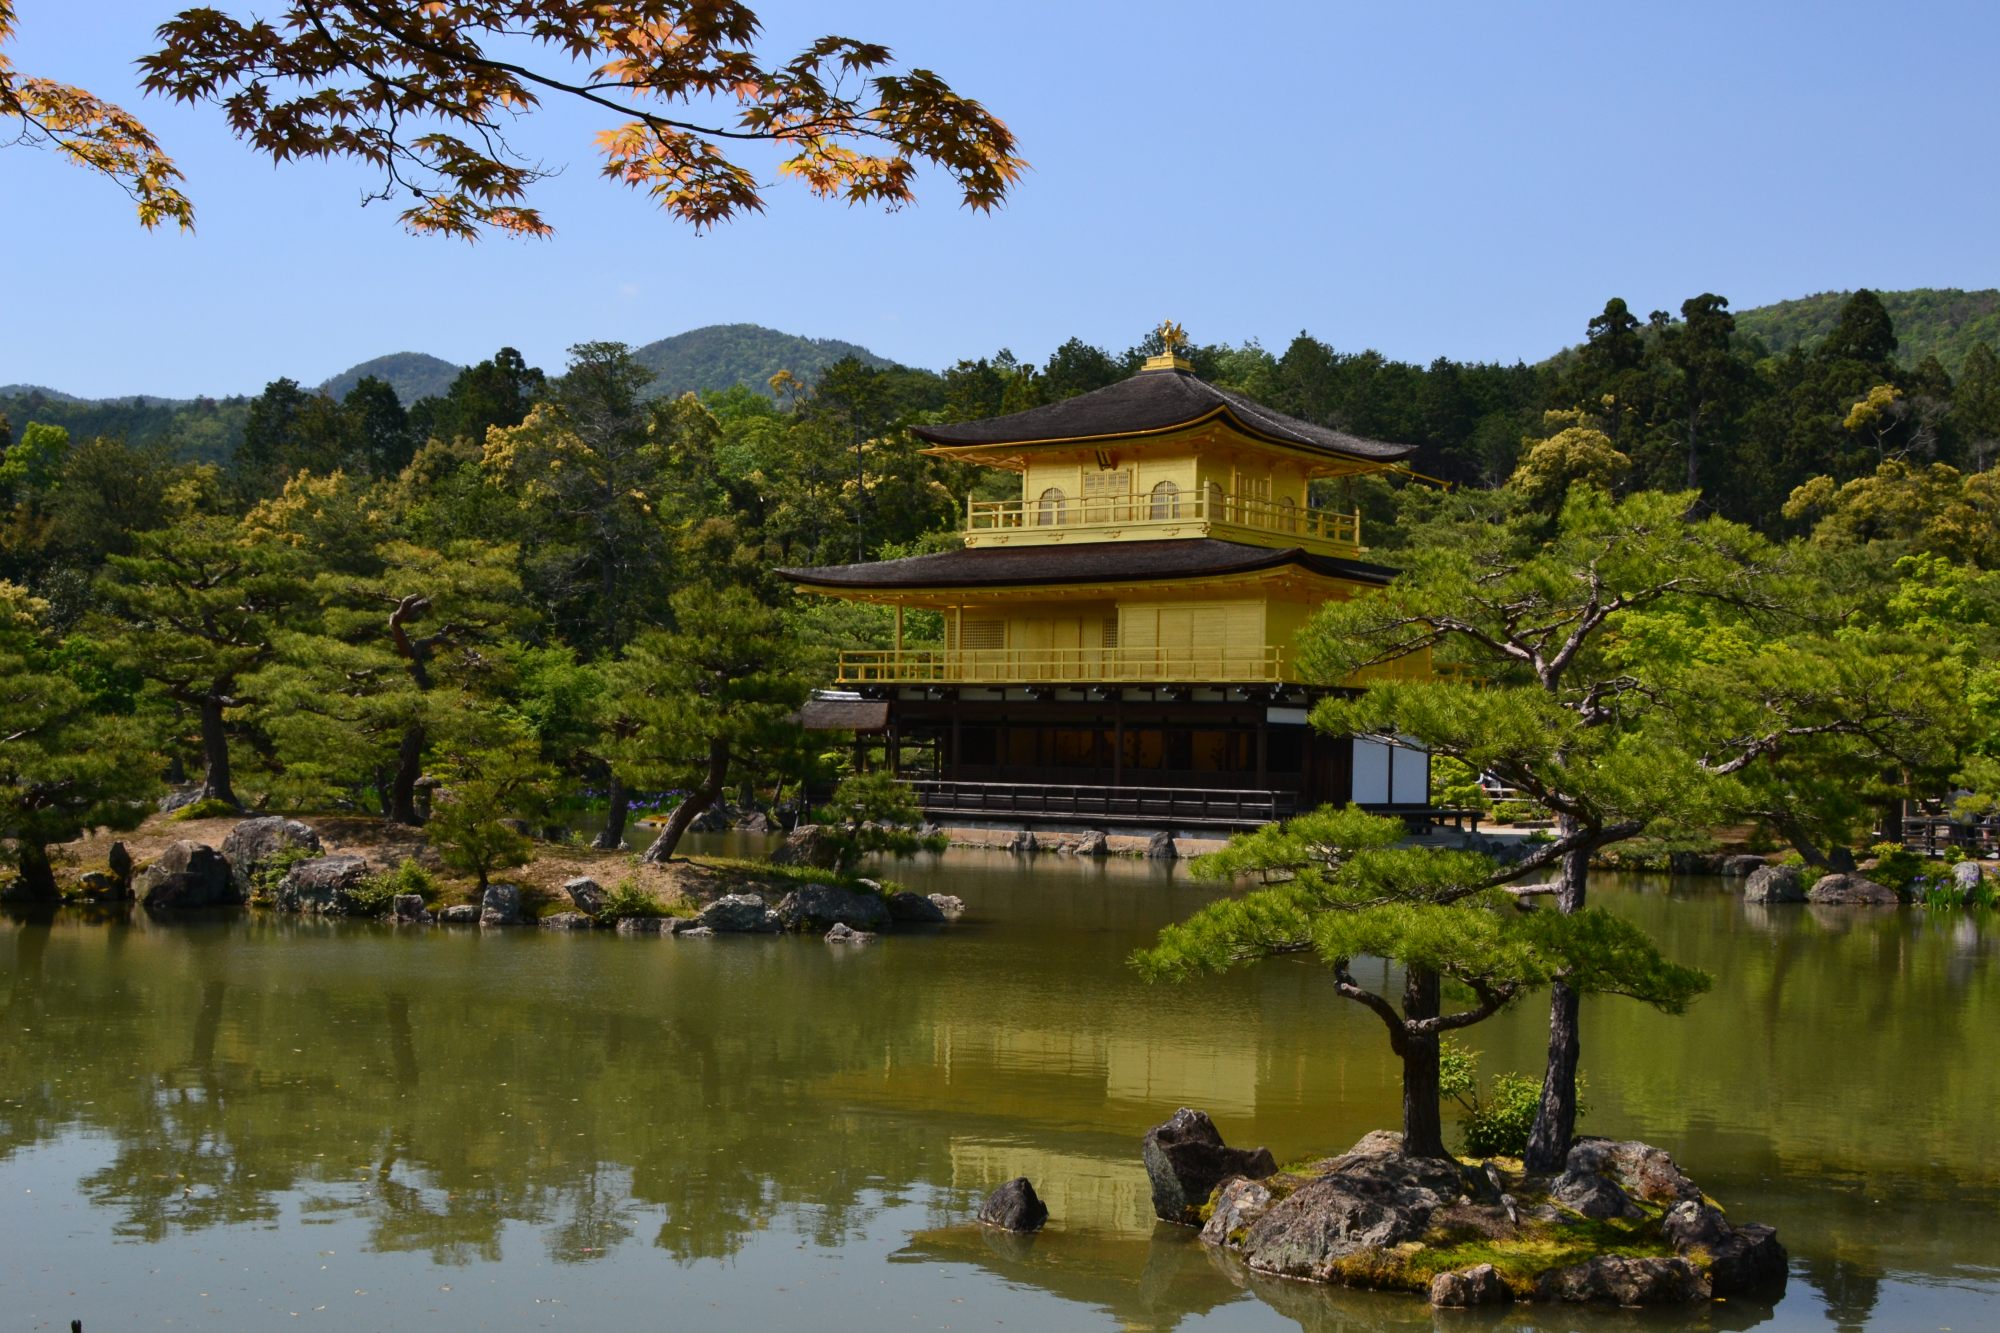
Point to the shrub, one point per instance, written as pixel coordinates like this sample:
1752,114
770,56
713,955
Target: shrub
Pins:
872,812
1897,867
1792,858
1517,812
628,899
264,880
1496,1124
206,808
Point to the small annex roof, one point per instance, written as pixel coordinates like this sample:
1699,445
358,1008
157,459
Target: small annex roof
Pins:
1151,402
1087,562
858,715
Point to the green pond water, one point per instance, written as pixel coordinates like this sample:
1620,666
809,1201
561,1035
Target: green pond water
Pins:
255,1122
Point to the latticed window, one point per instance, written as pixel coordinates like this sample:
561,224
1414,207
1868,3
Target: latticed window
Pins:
983,634
1166,500
1053,508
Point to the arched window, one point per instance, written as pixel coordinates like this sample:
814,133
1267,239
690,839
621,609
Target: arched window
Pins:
1288,513
1054,507
1166,500
1218,503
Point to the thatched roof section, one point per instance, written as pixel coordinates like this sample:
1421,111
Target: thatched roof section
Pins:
1150,402
1087,562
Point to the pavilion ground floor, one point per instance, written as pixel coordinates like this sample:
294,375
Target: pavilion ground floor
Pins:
1187,757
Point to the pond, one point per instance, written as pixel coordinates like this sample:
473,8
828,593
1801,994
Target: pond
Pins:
246,1121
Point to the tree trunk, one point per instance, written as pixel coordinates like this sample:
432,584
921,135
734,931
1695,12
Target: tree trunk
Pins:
698,800
409,767
38,877
612,836
1555,1119
215,754
1423,1130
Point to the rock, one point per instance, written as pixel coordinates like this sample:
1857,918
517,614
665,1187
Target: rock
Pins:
737,913
586,893
1024,843
1619,1281
180,798
694,932
1740,866
187,875
252,844
755,822
323,886
1851,891
950,904
1186,1159
1014,1207
567,921
1774,884
460,914
715,819
408,907
1738,1259
1465,1288
817,906
1695,863
1093,843
520,826
644,925
914,909
843,934
1965,879
1239,1201
101,886
807,845
1641,1170
120,861
1161,847
1326,1220
1594,1196
500,905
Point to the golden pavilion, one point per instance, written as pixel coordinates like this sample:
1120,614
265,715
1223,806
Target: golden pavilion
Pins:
1117,644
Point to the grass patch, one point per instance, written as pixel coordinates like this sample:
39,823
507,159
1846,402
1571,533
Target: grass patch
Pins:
208,808
628,899
789,877
1520,1260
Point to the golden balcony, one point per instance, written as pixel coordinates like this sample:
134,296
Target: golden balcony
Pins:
1253,663
1209,513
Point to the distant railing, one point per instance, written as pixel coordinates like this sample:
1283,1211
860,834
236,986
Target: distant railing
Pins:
1065,666
1198,506
1177,806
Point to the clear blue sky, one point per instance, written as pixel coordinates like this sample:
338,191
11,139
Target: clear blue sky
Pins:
1467,180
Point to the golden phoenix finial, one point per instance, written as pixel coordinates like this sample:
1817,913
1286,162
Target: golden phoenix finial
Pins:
1172,337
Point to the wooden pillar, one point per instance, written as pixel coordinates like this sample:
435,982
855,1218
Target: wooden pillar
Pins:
899,630
953,758
1263,753
1118,739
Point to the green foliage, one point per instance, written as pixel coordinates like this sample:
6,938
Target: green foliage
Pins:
411,375
1495,1123
1455,785
377,894
493,777
1942,322
722,356
264,880
873,813
1898,868
626,898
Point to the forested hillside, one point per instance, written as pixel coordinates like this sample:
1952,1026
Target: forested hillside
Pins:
722,356
412,375
1943,322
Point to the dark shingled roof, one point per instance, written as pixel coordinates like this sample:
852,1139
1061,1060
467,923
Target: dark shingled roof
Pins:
1154,400
1085,562
863,715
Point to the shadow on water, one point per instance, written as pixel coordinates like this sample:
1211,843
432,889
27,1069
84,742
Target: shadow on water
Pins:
597,1102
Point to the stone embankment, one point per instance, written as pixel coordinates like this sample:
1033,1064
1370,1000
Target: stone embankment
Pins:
1622,1224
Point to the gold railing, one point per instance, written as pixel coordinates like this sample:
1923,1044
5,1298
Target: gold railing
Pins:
1064,666
1281,520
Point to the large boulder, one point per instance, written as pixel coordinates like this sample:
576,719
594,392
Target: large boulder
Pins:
1738,1259
1327,1220
252,845
1466,1288
408,907
1594,1196
914,909
950,904
739,913
586,893
1965,879
1093,843
1014,1207
818,906
1852,891
1741,866
1024,843
1238,1201
808,845
756,821
1186,1159
460,914
1620,1281
1161,847
1639,1169
324,886
841,933
567,921
1774,884
500,905
119,861
101,886
185,876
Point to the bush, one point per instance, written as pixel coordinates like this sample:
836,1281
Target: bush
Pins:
1897,867
1498,1123
1517,812
872,812
628,899
264,880
206,808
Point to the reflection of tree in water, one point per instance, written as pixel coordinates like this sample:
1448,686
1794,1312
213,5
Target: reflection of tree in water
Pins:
1849,1289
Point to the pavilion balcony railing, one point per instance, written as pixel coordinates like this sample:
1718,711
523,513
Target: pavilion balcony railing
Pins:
1208,508
1166,806
1255,663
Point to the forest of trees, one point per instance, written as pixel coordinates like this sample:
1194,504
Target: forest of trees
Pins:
538,582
